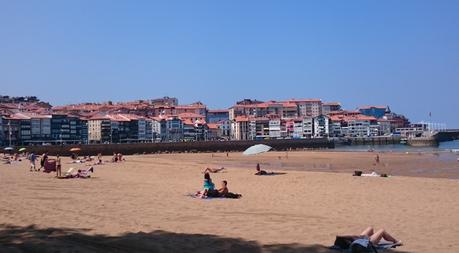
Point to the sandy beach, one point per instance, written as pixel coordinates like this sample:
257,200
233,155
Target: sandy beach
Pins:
142,204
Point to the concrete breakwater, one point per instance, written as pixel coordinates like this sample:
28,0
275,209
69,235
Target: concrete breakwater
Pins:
370,140
209,146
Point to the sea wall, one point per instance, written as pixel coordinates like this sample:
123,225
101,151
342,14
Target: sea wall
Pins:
374,140
209,146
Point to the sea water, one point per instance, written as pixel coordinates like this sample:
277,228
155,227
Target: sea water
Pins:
450,146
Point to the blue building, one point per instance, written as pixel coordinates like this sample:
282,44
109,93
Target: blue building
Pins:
375,111
214,116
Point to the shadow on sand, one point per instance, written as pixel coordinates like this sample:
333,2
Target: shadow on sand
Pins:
34,239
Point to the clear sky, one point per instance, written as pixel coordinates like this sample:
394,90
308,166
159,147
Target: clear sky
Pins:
399,53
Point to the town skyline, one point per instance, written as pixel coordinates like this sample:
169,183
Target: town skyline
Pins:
28,120
426,118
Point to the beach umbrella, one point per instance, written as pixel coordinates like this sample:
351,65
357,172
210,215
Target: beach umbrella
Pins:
8,148
22,149
257,149
75,149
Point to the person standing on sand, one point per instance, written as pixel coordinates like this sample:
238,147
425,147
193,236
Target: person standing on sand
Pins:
99,158
58,166
32,158
377,158
43,160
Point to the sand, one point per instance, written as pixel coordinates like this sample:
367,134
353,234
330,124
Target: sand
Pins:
141,205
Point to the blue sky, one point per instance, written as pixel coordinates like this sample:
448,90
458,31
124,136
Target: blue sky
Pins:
399,53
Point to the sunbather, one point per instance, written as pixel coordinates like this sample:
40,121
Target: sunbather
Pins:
70,173
79,174
85,173
212,170
345,242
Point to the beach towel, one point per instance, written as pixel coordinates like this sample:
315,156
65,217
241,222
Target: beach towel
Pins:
229,195
372,174
69,172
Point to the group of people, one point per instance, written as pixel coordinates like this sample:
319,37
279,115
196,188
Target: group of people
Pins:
209,190
117,157
8,159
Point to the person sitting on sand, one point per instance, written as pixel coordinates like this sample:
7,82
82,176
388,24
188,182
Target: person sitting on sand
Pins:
114,158
220,193
99,158
212,170
224,189
261,172
344,242
208,186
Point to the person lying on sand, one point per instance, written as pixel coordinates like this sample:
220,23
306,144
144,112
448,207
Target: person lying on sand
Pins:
261,172
344,242
80,173
212,170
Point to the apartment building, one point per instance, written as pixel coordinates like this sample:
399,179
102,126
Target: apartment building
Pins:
214,116
374,111
308,128
329,107
240,128
321,126
308,107
100,130
275,129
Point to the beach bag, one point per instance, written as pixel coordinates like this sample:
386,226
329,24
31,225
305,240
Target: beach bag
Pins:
362,245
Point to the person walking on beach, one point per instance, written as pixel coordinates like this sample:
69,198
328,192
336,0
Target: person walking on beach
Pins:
32,158
58,166
43,160
377,158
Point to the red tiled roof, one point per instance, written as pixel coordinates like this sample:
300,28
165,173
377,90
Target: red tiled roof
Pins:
305,100
241,118
332,103
190,115
213,126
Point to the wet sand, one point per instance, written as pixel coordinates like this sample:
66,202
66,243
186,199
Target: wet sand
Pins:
141,205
